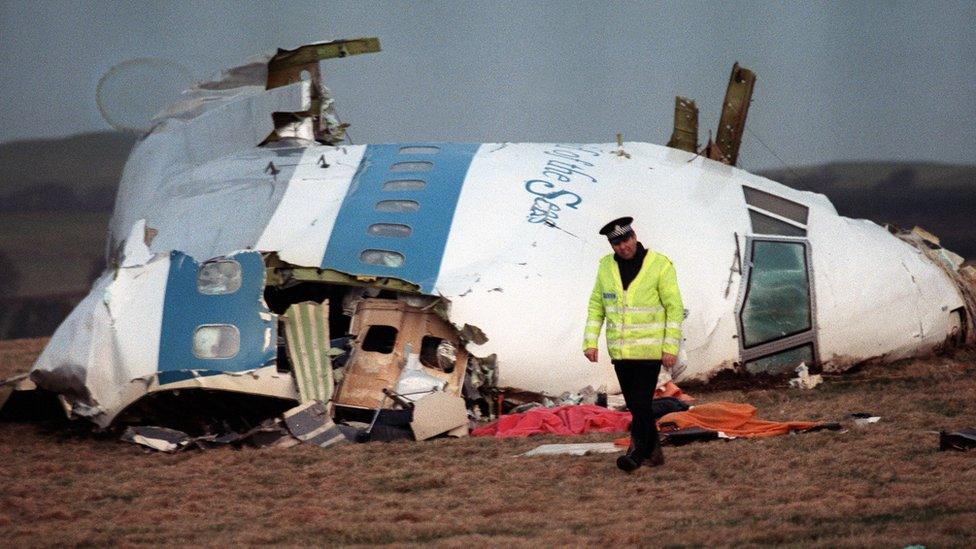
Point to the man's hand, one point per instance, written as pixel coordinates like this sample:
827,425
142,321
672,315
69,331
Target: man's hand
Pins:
591,354
668,360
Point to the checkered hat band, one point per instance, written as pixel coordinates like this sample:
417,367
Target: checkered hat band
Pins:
619,231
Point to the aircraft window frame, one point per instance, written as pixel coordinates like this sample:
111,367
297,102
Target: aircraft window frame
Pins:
208,327
748,364
210,287
403,185
378,339
411,166
401,206
810,336
783,225
749,289
419,149
378,258
775,204
389,230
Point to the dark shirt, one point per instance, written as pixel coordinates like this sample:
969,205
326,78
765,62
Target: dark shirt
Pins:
630,267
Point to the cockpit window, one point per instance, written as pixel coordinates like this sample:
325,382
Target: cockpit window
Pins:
219,277
216,341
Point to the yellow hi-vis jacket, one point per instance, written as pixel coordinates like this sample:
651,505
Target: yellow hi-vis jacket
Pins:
642,321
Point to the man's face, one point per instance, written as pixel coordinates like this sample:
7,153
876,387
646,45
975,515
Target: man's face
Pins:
627,248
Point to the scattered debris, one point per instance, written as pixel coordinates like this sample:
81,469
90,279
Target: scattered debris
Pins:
804,380
8,386
307,336
583,449
20,399
863,418
690,434
962,440
438,413
311,423
382,357
157,438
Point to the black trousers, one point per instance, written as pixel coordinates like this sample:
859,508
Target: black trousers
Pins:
638,380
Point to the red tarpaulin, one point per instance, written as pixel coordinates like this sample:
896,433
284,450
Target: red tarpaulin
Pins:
564,420
733,419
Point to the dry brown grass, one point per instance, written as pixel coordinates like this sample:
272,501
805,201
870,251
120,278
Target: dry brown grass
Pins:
881,485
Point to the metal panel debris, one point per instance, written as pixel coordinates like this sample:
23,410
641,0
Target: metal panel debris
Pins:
307,338
437,413
583,449
387,332
685,134
157,438
735,108
311,423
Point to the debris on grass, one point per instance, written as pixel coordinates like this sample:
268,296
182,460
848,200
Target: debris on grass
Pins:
581,449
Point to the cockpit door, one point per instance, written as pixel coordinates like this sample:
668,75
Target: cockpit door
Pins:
776,310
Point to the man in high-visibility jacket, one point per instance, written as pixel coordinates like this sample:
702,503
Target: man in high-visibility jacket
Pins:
636,293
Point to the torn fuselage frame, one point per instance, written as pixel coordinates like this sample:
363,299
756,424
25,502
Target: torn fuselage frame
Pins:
386,321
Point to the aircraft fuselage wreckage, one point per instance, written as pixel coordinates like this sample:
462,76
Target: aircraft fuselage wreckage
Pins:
248,242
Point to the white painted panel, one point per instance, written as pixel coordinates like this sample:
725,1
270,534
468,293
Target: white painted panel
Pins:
108,347
302,223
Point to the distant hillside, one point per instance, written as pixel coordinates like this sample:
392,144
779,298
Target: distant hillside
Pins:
938,197
77,173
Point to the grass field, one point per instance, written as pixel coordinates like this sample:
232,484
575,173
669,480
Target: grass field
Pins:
881,485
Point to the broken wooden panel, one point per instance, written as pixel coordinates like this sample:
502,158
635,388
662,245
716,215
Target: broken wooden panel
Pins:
383,329
735,108
685,133
438,413
307,336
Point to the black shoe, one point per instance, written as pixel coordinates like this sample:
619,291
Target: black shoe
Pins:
629,462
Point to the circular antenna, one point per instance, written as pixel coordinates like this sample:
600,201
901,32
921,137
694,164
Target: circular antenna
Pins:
132,92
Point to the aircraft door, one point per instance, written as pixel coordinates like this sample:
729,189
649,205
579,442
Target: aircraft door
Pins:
776,310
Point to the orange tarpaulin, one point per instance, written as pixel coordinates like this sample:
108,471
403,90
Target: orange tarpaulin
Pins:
733,419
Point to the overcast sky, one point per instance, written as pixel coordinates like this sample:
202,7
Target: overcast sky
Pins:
836,81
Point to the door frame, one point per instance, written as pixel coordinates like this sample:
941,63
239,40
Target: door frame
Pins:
785,343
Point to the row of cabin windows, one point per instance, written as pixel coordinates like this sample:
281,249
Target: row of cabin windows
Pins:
389,258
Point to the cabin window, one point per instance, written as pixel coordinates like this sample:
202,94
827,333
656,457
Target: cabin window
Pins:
219,277
398,206
215,341
393,230
383,258
776,204
777,302
782,362
380,339
764,224
412,167
420,149
404,185
438,354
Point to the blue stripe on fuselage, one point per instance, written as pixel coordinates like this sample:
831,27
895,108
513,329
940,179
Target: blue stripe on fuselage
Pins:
185,309
423,250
